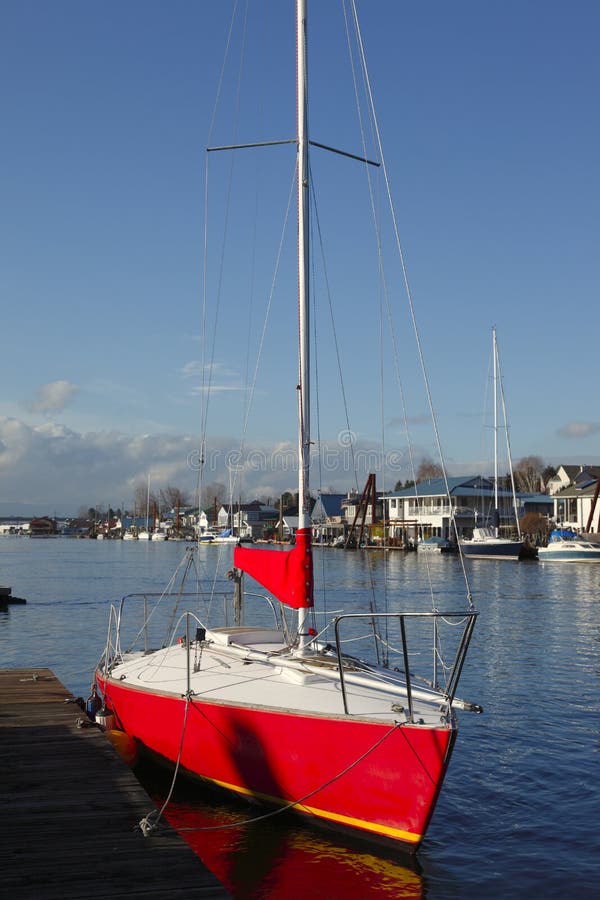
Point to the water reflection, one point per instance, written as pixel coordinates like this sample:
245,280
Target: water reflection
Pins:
518,812
278,857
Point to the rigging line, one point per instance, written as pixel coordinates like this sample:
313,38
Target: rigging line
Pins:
252,388
317,395
378,241
204,412
300,801
222,72
236,119
508,448
165,593
202,444
188,566
408,289
376,219
484,446
370,561
150,822
382,465
383,280
210,364
336,343
248,338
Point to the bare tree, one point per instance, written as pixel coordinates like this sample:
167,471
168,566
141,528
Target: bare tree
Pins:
174,498
140,498
528,474
428,469
535,524
214,493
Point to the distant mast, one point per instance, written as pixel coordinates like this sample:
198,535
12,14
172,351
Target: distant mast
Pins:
495,364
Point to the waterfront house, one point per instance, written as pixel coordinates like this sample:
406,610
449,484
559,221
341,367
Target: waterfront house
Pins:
327,517
43,527
354,505
571,476
425,509
573,504
288,526
255,519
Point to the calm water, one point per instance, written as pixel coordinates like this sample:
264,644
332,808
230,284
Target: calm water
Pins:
520,810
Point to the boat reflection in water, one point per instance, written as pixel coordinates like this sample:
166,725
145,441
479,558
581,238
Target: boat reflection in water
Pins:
277,857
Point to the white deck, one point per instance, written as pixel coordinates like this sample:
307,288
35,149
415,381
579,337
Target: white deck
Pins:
243,667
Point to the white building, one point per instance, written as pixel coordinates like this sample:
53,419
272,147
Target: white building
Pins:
428,509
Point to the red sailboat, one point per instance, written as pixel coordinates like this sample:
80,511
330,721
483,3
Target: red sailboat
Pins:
275,711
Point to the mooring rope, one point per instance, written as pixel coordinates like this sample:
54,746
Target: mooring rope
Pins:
301,800
150,822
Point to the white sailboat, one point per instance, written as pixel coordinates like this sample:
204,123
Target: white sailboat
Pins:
487,542
131,533
279,711
144,534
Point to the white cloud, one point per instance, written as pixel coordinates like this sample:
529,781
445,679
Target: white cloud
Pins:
54,396
50,468
579,429
228,379
191,369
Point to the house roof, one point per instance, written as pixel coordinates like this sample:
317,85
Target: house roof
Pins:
571,471
587,489
331,503
291,522
576,473
536,499
583,480
465,486
254,505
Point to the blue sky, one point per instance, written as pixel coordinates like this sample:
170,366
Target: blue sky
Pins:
489,119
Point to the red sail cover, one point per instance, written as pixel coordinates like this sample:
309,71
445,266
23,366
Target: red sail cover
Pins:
286,573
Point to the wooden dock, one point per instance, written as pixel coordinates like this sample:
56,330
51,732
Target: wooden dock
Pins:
69,807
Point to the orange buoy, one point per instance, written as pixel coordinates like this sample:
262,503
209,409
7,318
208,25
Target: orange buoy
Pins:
125,745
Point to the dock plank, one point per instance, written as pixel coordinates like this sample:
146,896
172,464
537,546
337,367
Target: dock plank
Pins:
70,807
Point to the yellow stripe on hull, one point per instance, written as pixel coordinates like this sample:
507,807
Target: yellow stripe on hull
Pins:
408,837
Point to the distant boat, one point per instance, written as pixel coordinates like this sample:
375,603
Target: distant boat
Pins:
213,536
159,536
435,545
566,546
486,542
144,534
6,597
226,537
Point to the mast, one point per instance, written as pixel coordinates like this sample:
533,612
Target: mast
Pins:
303,294
495,354
148,503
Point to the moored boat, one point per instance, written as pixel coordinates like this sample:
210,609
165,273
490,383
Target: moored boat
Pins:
486,541
487,544
435,545
568,547
279,710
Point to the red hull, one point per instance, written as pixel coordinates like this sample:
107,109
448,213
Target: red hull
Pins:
380,779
